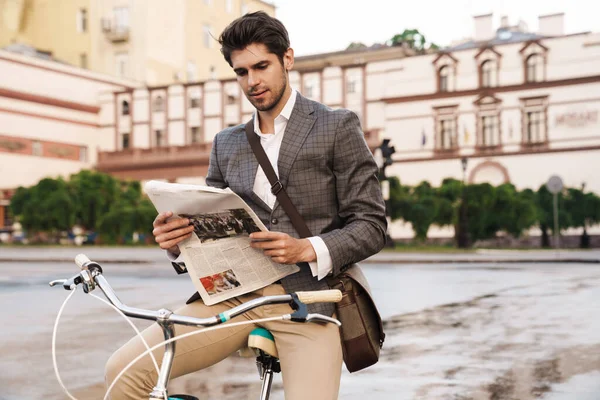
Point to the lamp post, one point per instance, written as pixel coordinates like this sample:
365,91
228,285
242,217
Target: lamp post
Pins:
584,243
383,158
462,236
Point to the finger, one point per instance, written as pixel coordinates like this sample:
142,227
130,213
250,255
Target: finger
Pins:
162,218
173,242
175,224
268,244
267,235
163,237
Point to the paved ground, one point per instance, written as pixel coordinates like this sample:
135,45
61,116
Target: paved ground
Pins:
475,330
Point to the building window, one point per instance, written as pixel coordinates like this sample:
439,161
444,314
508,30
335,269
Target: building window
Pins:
446,126
82,153
535,126
534,116
194,102
83,62
308,91
208,2
351,87
195,134
36,148
490,133
121,63
121,21
191,72
534,68
125,141
208,42
231,99
444,78
159,138
488,73
244,8
124,107
158,105
447,134
228,5
82,20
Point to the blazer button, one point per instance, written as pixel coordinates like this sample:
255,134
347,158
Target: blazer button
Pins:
274,221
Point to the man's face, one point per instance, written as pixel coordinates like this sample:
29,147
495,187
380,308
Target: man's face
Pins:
261,75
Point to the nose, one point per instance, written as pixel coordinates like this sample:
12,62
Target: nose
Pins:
253,79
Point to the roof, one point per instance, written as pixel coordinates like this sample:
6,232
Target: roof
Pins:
503,36
26,50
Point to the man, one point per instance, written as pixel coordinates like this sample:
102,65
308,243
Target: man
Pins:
322,160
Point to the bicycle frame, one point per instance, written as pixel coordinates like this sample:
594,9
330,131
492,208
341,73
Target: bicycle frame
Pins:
91,277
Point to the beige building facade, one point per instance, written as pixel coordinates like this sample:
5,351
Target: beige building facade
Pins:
50,121
519,106
152,41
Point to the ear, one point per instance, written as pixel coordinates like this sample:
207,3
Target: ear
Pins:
288,59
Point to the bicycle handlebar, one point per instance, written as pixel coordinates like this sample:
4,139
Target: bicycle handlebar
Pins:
91,276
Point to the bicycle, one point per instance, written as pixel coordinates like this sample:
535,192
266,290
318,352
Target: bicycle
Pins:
260,341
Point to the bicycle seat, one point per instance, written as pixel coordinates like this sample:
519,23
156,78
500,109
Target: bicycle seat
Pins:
260,339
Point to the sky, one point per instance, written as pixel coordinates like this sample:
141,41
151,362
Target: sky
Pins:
318,26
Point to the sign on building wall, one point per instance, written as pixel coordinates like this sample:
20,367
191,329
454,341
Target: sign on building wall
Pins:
576,119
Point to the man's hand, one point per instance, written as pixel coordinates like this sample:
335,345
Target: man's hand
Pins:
169,234
282,248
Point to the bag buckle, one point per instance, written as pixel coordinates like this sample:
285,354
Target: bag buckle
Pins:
276,188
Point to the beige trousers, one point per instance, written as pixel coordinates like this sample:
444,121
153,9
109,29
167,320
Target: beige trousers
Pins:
310,354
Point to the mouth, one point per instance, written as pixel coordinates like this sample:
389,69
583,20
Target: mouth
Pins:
259,95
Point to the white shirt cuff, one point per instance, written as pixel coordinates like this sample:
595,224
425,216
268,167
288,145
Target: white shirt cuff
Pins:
323,265
176,259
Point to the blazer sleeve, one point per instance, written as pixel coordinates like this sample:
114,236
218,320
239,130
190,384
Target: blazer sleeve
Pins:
360,203
214,177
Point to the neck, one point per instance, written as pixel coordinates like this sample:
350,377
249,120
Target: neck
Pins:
266,119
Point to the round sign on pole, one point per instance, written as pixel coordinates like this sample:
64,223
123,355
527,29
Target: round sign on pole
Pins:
555,184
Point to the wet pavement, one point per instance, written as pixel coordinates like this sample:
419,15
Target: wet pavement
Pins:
460,331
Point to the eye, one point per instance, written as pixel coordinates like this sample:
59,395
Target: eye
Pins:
241,72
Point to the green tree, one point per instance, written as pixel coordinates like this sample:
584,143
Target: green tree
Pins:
46,207
584,210
480,200
545,213
130,212
514,211
94,193
413,39
420,208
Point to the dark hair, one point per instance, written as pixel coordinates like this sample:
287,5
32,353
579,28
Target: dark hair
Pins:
256,27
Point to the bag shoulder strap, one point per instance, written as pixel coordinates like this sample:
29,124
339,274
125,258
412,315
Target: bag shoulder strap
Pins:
276,186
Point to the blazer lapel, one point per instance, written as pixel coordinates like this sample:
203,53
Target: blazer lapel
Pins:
298,127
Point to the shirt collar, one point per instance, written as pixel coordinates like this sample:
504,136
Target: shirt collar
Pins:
286,112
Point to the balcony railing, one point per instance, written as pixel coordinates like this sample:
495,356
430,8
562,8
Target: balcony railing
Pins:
155,157
115,33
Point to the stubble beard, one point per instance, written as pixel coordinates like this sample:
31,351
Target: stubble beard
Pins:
272,104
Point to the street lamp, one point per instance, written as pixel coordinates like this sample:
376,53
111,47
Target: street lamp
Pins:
584,243
462,236
383,158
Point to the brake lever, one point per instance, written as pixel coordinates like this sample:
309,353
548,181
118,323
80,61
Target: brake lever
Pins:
68,284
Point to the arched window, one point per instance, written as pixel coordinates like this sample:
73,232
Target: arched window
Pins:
488,73
534,65
124,107
444,78
158,104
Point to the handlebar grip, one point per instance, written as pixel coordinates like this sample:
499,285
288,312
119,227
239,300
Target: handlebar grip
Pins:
320,296
81,260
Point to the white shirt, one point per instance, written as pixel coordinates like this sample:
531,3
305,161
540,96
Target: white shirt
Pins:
271,143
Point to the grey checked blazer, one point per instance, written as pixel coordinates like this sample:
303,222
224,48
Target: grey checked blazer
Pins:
329,174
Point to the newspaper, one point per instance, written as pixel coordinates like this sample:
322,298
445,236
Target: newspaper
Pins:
218,256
